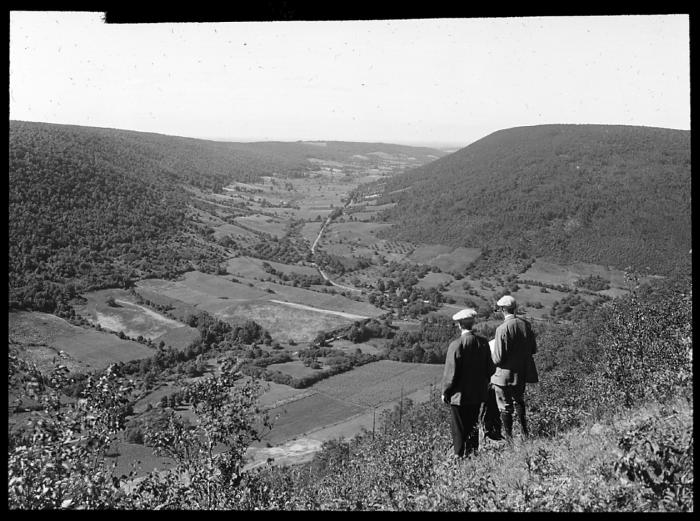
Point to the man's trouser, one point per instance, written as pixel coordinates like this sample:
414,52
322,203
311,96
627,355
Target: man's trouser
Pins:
510,399
490,417
465,428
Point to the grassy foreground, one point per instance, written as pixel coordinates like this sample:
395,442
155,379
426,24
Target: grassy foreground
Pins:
638,460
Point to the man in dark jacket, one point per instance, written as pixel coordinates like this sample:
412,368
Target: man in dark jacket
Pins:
468,367
513,348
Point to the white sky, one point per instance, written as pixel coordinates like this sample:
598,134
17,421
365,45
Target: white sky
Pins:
448,81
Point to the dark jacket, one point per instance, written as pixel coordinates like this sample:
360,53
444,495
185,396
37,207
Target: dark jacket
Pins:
468,367
514,345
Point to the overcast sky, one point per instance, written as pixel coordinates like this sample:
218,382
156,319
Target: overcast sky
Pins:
444,81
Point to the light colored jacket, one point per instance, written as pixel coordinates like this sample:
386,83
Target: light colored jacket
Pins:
514,345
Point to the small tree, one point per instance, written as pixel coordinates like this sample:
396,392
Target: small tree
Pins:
320,339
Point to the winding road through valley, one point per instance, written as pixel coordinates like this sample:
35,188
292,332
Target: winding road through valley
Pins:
313,250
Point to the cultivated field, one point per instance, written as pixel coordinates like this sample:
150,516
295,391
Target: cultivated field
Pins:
306,414
278,394
298,432
378,382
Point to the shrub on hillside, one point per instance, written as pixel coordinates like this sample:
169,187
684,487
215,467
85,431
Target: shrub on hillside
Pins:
646,342
658,453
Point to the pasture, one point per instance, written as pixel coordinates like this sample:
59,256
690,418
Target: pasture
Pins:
154,397
534,294
283,322
222,230
444,257
140,458
310,230
551,273
179,338
201,289
250,267
433,280
92,349
373,346
298,313
134,319
359,233
295,369
322,301
264,224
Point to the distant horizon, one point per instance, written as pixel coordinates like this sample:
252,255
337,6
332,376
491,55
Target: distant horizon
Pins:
437,145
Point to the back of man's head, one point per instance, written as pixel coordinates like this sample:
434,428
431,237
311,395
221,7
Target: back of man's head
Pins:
509,310
466,323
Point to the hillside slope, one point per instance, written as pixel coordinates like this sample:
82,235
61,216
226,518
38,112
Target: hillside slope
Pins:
613,195
97,207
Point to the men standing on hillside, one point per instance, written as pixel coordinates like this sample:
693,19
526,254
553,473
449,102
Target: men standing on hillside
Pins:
468,367
512,353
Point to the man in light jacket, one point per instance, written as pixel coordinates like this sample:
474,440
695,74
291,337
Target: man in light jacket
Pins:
513,348
468,367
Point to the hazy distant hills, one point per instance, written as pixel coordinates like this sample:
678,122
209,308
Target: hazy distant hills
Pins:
614,195
203,163
152,157
345,150
96,207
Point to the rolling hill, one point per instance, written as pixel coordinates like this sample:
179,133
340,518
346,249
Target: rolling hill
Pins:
97,207
612,195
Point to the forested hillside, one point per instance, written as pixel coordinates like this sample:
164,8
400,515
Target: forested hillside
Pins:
96,207
612,195
92,207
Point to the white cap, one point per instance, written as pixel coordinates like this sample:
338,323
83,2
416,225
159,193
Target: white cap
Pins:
465,313
506,301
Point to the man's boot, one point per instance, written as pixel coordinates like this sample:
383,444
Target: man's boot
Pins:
507,422
520,411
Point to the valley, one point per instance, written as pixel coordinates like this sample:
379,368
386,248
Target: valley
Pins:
356,319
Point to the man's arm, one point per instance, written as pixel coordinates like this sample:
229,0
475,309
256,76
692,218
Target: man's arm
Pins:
500,346
533,339
451,373
489,366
